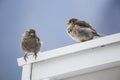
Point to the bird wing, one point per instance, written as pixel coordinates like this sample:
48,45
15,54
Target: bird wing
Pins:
38,41
25,45
84,24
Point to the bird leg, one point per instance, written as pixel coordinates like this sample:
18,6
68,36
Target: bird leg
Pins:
35,54
25,56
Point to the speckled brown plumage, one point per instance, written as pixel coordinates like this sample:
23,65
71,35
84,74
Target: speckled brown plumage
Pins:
30,43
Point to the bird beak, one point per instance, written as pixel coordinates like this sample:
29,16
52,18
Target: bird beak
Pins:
67,23
31,34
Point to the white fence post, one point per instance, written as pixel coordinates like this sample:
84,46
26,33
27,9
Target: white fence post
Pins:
26,72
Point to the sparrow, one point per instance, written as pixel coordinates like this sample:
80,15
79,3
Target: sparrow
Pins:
80,31
30,43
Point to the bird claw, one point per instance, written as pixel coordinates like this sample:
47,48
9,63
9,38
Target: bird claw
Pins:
25,57
35,55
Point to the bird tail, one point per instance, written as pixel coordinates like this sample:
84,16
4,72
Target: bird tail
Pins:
101,35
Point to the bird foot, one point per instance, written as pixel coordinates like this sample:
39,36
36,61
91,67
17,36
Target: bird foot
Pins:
35,56
25,57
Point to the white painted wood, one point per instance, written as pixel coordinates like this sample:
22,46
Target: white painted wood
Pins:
73,60
26,72
106,74
47,79
78,63
71,49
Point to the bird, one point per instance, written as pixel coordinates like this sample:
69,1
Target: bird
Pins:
30,43
81,31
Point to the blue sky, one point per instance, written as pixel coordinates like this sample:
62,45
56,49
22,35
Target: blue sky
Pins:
48,18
